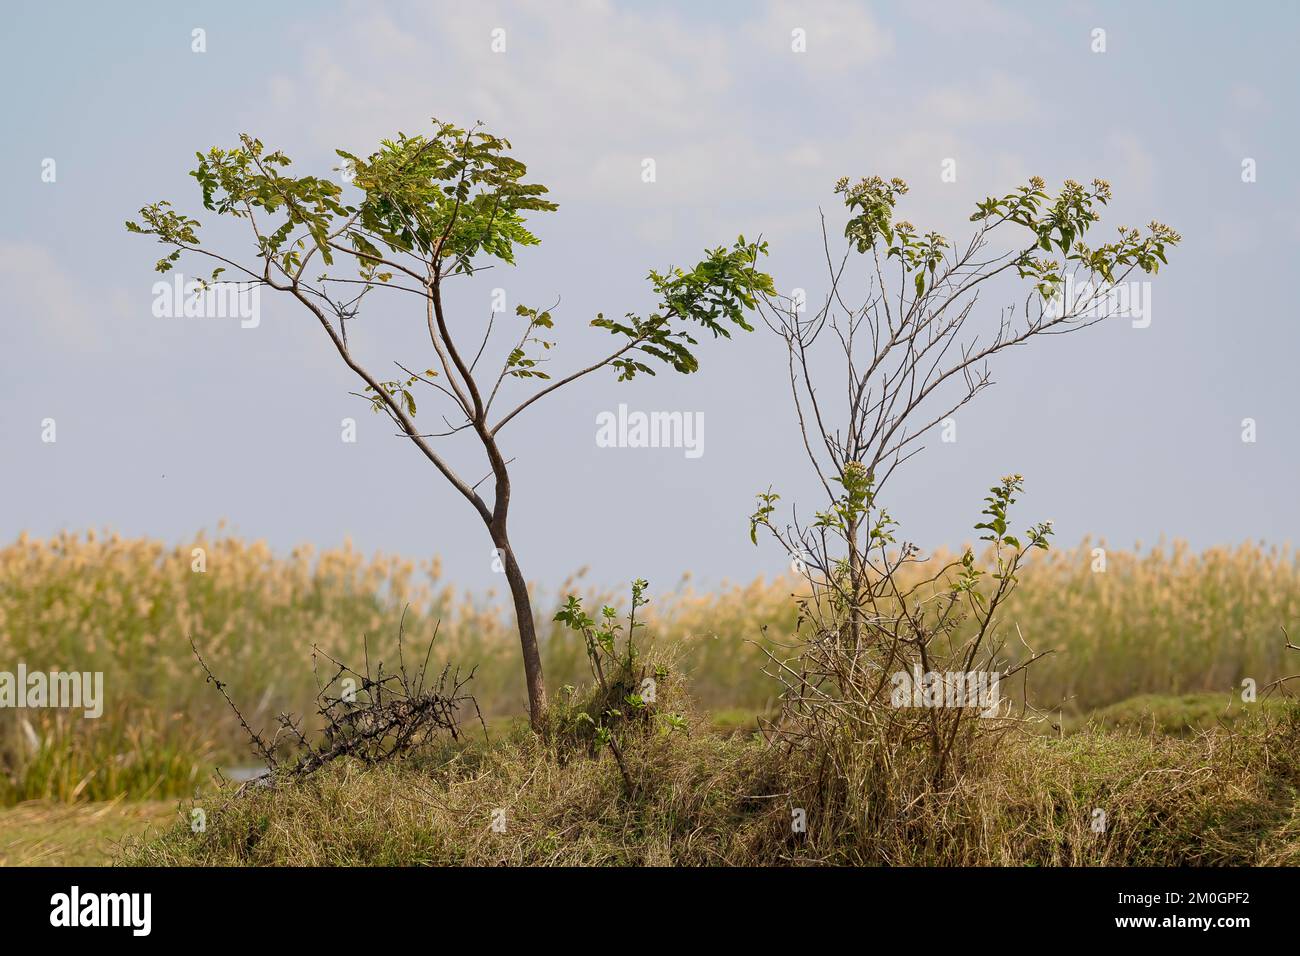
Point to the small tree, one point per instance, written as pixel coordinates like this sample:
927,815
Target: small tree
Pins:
431,208
910,357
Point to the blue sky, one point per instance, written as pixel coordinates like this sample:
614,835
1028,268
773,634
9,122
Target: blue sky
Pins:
167,426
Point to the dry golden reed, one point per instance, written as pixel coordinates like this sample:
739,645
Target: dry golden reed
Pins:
1166,620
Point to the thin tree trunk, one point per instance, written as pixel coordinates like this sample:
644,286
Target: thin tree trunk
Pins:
527,631
855,587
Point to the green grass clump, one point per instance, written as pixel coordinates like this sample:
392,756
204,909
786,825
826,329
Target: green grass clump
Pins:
1174,715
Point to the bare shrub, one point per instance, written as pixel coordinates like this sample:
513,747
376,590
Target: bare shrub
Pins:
878,675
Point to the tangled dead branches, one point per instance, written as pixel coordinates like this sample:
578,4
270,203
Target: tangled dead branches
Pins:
371,717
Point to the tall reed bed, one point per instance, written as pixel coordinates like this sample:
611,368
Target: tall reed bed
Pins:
1162,620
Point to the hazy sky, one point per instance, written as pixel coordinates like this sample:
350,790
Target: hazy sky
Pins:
165,426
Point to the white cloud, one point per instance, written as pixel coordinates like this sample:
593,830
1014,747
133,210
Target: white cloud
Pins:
1136,166
1248,98
997,98
581,89
47,301
841,35
586,91
969,16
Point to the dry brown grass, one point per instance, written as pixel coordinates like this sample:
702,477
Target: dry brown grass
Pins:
699,799
40,833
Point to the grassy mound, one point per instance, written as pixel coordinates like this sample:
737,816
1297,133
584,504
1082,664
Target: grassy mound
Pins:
1219,797
1175,715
